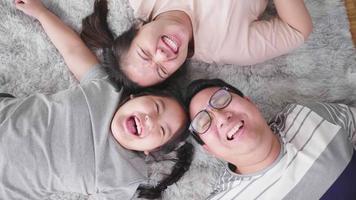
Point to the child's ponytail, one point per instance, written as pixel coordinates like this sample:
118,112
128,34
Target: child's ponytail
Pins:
95,29
183,161
97,35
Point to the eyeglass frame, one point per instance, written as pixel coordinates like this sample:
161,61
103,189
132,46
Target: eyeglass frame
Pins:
196,133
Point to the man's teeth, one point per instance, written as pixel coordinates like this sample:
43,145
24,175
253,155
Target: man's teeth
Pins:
234,131
171,43
138,126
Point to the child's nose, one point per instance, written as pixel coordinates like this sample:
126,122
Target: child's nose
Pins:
163,54
160,56
150,120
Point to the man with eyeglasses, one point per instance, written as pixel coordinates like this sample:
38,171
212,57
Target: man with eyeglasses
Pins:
305,152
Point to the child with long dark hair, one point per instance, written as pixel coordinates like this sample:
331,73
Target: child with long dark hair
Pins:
168,32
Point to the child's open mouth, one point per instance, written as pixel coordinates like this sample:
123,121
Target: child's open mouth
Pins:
133,125
172,43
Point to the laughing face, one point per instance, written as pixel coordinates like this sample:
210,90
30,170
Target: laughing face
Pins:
159,49
147,122
236,130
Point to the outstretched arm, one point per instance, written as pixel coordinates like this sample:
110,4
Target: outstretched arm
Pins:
76,54
295,14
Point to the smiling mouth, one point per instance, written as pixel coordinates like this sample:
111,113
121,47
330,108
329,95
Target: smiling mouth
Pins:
172,43
235,131
133,125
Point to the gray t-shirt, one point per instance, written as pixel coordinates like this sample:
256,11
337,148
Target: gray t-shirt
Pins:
62,142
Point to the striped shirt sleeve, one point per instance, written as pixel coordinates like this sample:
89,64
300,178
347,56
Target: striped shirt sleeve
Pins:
339,114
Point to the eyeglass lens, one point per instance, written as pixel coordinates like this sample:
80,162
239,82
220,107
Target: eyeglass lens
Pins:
201,122
220,99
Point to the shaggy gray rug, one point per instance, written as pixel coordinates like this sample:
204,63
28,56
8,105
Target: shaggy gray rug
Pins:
323,69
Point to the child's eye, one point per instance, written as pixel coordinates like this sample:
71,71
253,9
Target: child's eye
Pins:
144,55
162,72
157,107
163,131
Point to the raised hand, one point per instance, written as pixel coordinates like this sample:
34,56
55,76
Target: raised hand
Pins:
76,54
34,8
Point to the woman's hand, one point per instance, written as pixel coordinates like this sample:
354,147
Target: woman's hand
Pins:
34,8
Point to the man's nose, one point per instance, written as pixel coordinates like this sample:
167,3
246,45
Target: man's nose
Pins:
222,117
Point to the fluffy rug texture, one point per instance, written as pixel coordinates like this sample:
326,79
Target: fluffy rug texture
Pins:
323,69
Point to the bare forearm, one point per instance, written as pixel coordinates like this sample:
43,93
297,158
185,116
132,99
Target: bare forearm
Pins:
63,37
76,54
68,43
295,14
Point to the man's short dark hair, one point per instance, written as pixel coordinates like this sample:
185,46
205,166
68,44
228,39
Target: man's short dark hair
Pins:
200,84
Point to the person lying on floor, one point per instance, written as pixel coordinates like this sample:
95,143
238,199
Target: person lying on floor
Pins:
167,33
305,152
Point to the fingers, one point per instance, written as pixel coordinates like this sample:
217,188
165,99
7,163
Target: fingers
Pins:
19,2
22,4
29,7
22,1
18,5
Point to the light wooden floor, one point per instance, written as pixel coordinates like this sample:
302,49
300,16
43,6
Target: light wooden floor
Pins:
351,12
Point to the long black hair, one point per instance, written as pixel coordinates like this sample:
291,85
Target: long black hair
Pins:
98,36
182,164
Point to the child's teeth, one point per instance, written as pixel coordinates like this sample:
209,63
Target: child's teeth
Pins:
171,43
138,126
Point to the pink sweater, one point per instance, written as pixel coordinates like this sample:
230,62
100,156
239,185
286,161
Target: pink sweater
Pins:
228,31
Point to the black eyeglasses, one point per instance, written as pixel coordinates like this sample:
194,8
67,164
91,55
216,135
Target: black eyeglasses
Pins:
202,120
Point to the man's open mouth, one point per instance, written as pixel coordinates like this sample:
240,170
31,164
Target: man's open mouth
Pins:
235,131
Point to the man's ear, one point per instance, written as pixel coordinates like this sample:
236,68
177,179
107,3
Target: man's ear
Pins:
248,99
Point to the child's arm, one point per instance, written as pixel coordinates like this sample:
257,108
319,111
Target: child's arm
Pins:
294,13
76,54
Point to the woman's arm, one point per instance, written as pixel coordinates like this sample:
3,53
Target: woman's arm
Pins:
76,54
296,15
279,35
